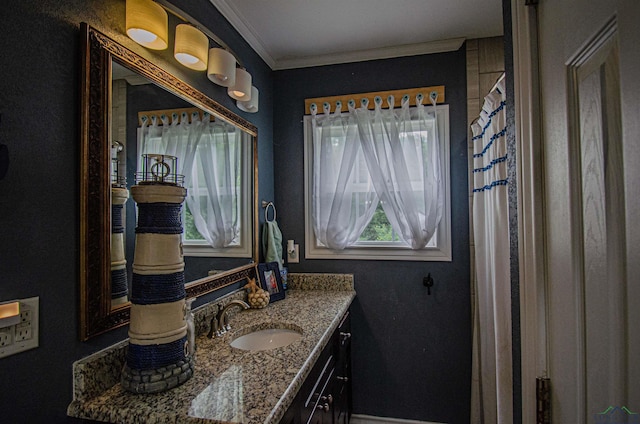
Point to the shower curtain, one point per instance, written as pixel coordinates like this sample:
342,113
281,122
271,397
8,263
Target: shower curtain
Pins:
491,396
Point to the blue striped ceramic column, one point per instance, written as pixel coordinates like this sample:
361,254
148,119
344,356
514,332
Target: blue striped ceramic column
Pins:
119,284
157,356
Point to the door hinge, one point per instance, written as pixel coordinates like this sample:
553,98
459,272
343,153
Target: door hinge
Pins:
543,400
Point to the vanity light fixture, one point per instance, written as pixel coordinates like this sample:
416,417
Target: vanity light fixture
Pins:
222,67
241,90
191,47
147,24
250,105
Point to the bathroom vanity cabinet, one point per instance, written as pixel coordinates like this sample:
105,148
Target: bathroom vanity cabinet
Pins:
325,396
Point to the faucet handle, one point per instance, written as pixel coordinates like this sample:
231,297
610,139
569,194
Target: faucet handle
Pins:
210,333
216,328
222,326
213,327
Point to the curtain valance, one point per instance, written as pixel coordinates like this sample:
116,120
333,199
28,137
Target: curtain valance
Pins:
358,98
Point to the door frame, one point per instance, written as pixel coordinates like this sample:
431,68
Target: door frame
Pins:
530,204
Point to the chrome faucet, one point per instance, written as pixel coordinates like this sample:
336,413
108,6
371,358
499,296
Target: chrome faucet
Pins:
220,322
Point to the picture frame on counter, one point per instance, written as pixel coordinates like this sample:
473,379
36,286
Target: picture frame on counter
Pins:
271,280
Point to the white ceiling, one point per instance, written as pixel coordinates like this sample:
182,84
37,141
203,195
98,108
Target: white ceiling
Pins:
299,33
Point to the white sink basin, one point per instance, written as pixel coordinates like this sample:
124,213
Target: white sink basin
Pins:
269,338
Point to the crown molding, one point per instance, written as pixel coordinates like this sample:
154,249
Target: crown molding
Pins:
372,54
226,8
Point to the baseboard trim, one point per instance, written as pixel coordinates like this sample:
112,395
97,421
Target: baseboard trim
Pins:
368,419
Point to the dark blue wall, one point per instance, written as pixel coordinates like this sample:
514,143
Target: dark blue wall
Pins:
39,198
411,351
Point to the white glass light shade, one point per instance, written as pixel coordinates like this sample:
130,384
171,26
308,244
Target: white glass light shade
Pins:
147,24
222,67
251,105
241,90
191,47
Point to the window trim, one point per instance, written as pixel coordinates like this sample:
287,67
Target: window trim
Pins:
440,253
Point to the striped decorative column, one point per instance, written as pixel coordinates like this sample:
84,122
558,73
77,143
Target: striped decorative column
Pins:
119,284
158,356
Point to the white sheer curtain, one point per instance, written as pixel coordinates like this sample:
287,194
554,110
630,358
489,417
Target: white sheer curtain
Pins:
209,157
402,152
213,187
343,197
366,156
491,395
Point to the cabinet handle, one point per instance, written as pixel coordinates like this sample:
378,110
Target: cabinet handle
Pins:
324,407
345,379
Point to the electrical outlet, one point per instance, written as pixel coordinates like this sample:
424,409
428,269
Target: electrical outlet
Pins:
25,313
23,335
5,337
23,331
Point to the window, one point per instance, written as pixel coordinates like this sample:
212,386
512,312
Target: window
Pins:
379,241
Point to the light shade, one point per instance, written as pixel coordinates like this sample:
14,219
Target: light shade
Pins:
147,24
251,105
222,67
191,47
241,90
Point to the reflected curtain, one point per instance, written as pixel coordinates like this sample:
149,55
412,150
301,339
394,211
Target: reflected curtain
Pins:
214,184
209,155
491,396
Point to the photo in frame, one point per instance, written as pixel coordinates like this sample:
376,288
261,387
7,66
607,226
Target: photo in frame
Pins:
271,281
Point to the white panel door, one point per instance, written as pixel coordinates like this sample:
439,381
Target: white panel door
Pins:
589,65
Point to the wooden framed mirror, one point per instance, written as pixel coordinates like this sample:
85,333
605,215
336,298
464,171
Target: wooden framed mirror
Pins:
100,56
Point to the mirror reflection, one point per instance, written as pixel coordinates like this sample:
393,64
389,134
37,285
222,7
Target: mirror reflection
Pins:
118,90
215,158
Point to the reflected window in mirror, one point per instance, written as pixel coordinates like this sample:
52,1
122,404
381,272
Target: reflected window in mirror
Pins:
214,156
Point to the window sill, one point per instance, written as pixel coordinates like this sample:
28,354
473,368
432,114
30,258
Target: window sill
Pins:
208,251
441,254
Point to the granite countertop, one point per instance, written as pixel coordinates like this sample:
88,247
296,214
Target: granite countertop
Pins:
232,385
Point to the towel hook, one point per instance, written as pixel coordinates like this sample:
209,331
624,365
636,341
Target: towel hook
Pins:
266,205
